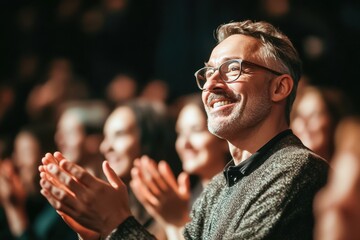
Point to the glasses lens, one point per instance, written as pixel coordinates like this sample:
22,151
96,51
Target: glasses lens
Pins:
230,70
202,75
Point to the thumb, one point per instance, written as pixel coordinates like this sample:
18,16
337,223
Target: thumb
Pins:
184,185
111,176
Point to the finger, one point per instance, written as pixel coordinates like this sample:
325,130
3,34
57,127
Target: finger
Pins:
141,191
145,197
78,173
41,168
167,174
156,178
59,198
137,163
56,204
58,156
49,158
43,174
147,171
63,180
184,185
111,176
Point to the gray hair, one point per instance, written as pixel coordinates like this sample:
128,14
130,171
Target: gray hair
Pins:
276,48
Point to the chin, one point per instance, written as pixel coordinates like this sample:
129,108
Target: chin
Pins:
189,169
217,130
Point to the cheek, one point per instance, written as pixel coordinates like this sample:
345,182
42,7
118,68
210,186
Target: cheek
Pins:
126,150
206,146
122,168
180,145
127,146
320,125
72,140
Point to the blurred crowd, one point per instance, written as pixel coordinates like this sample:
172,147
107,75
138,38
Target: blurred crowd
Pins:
66,65
52,51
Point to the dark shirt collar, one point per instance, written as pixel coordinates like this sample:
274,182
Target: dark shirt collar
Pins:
233,173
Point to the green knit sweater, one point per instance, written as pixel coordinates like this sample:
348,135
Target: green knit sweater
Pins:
273,202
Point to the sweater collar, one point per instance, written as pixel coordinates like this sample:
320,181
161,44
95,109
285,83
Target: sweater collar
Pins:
234,173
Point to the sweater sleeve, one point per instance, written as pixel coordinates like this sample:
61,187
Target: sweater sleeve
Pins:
131,229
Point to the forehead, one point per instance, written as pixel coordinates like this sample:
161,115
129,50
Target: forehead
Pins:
121,119
69,119
25,137
190,114
311,102
235,46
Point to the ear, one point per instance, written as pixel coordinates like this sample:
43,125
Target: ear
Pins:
281,87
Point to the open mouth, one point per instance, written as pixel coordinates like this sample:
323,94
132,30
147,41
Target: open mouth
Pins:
220,103
219,100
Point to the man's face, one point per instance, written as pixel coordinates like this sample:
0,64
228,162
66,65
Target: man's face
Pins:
240,106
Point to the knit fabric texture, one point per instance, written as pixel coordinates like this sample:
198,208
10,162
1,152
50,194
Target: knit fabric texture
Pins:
272,202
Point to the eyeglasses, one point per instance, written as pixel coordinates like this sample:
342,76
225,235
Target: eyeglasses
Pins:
229,71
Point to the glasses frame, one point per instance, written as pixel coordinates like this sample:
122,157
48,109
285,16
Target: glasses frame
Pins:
240,61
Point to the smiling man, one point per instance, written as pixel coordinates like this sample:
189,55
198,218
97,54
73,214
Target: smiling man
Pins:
266,191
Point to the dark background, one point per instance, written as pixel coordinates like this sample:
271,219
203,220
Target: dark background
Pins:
170,39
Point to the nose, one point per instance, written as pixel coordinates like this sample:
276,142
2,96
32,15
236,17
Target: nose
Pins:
104,146
183,141
214,82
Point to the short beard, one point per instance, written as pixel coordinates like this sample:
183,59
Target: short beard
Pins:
241,117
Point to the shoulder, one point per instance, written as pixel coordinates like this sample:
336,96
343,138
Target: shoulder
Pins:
290,153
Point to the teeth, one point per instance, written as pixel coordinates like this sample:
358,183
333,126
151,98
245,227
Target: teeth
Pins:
221,103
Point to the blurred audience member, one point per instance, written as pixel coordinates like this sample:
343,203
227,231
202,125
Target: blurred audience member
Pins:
202,154
79,133
134,129
156,90
122,88
315,115
28,215
347,135
337,205
60,85
10,113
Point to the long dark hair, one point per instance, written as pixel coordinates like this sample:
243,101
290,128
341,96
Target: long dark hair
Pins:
157,131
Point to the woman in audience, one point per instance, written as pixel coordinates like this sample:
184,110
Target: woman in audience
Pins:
28,214
79,133
202,154
315,115
337,207
134,129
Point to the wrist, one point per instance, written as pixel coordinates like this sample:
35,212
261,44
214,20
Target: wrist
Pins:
107,236
111,227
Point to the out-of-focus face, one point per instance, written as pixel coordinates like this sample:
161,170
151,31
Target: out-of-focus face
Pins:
311,122
121,144
241,105
27,154
70,137
201,152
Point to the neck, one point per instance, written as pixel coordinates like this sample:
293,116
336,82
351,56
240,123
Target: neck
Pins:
215,168
252,139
